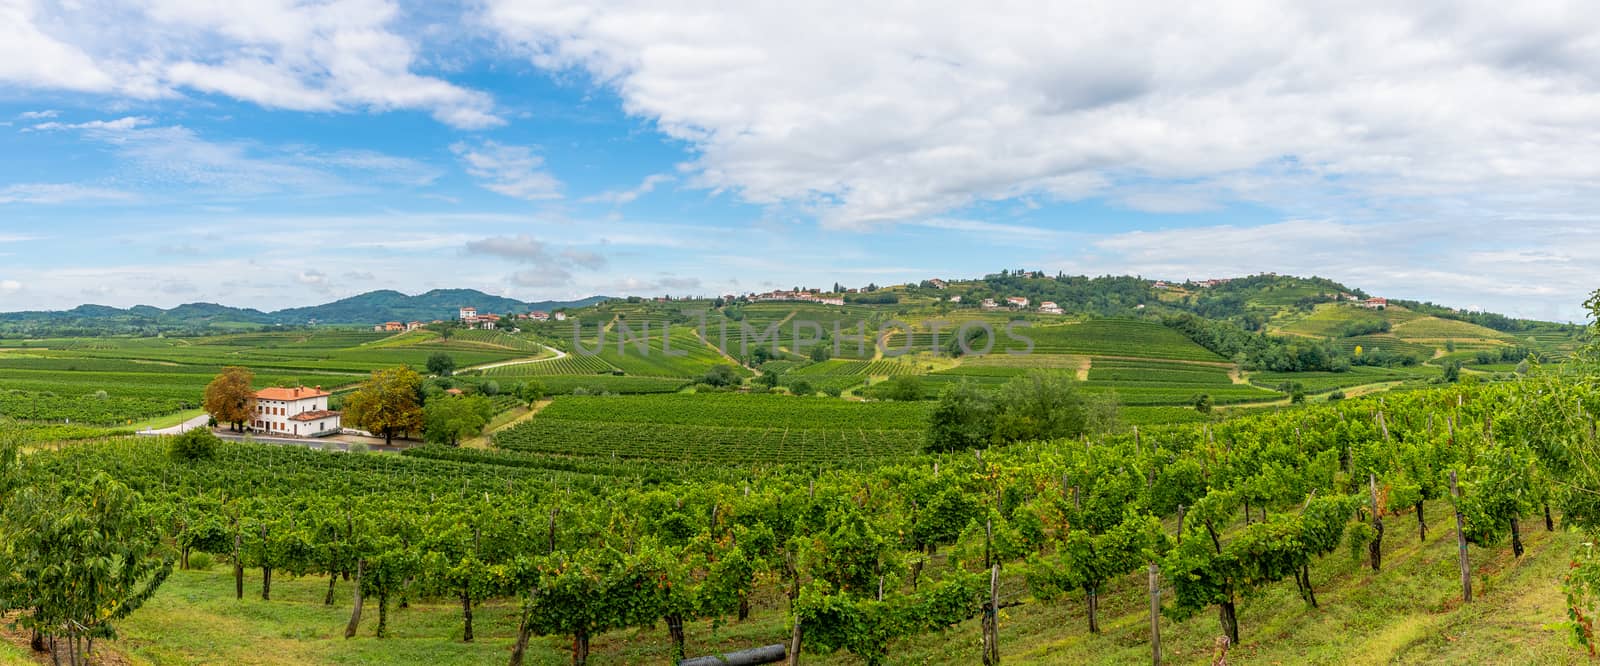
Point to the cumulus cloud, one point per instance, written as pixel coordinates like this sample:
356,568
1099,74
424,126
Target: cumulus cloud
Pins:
912,110
510,170
547,266
324,55
10,286
313,278
38,115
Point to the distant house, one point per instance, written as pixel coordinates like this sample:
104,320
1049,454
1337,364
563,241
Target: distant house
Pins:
414,325
938,284
394,326
955,299
539,315
1017,301
1375,303
295,412
469,314
377,328
559,316
454,391
1050,307
1161,284
988,304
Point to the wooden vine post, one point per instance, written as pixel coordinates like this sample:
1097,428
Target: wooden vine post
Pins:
1461,542
1375,549
1155,614
991,620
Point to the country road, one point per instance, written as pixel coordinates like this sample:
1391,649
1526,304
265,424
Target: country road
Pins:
522,361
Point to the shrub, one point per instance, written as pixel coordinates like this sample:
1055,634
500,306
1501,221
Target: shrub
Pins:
801,387
201,561
197,444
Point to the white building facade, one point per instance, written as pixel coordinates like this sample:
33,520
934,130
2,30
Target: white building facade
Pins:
295,412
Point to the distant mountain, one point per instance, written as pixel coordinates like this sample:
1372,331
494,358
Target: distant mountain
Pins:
380,306
364,309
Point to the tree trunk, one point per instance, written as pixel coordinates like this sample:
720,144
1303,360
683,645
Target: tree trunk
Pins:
991,635
1230,621
744,606
1422,523
355,614
1305,580
1549,521
524,632
1516,537
466,615
266,583
383,613
675,628
388,438
183,557
1092,596
332,578
580,648
36,641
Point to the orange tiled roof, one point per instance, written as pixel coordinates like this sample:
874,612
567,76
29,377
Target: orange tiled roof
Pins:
313,416
298,393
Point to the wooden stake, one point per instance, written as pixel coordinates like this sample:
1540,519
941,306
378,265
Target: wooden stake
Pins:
1155,614
1461,542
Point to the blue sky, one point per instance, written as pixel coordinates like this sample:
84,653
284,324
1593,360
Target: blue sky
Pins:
285,153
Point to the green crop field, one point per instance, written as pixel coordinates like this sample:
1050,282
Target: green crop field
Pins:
1110,337
1435,328
1120,371
1321,382
721,427
571,364
1389,343
597,384
680,354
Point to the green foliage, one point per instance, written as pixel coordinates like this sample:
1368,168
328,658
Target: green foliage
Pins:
194,445
441,364
447,419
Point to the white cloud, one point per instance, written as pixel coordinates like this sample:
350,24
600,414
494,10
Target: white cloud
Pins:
179,156
125,123
57,193
321,55
10,286
621,197
510,170
38,115
911,110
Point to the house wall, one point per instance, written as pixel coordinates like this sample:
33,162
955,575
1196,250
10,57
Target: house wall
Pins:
273,415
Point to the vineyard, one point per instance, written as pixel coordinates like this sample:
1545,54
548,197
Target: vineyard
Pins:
1110,337
1301,534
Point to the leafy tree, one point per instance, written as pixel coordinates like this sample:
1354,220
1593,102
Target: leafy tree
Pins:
231,397
447,419
441,364
197,444
1043,405
530,392
801,387
963,419
1202,403
389,403
905,388
720,375
79,557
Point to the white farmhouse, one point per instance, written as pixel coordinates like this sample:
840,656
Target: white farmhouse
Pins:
295,412
469,314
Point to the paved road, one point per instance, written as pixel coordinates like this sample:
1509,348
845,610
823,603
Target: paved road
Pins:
523,361
196,422
324,444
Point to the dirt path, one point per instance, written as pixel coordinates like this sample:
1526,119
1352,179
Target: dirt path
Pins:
483,441
1083,368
